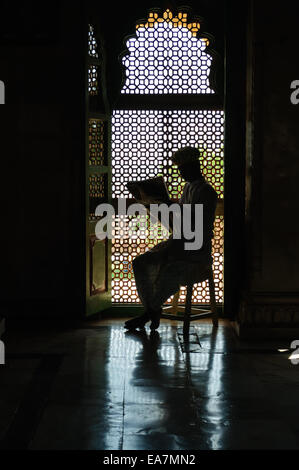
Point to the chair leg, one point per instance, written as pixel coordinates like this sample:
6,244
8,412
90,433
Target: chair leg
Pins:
175,301
213,299
187,311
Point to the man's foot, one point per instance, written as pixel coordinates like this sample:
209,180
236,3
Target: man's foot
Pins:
155,317
138,322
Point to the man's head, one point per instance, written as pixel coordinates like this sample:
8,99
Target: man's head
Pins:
187,161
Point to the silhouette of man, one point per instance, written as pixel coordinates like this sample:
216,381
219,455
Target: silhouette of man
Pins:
161,271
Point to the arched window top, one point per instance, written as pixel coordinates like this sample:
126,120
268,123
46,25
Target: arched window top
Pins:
167,57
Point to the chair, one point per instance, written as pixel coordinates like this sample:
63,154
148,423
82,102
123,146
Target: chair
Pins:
193,313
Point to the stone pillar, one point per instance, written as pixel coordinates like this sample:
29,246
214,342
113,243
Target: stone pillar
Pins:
270,299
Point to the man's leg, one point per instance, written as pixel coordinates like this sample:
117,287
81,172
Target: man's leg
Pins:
155,286
169,279
146,269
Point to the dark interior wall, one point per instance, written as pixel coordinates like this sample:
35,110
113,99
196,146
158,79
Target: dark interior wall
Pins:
235,266
277,68
272,293
42,145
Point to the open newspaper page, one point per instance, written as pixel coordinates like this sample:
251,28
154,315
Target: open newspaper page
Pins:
150,191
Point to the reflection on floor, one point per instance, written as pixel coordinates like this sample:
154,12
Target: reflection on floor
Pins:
98,387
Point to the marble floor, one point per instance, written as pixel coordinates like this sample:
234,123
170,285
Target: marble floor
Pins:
97,386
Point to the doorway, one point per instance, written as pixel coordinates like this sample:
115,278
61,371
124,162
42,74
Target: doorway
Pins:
168,103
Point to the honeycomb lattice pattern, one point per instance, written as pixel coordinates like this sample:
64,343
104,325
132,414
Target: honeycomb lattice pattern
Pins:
96,186
97,192
96,142
166,56
204,130
92,43
93,85
124,250
137,147
142,144
144,140
201,290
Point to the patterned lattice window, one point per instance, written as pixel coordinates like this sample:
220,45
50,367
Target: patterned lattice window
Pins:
166,56
96,142
97,192
93,85
141,147
143,142
93,70
92,43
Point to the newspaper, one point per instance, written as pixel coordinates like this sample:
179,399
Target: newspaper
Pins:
151,191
